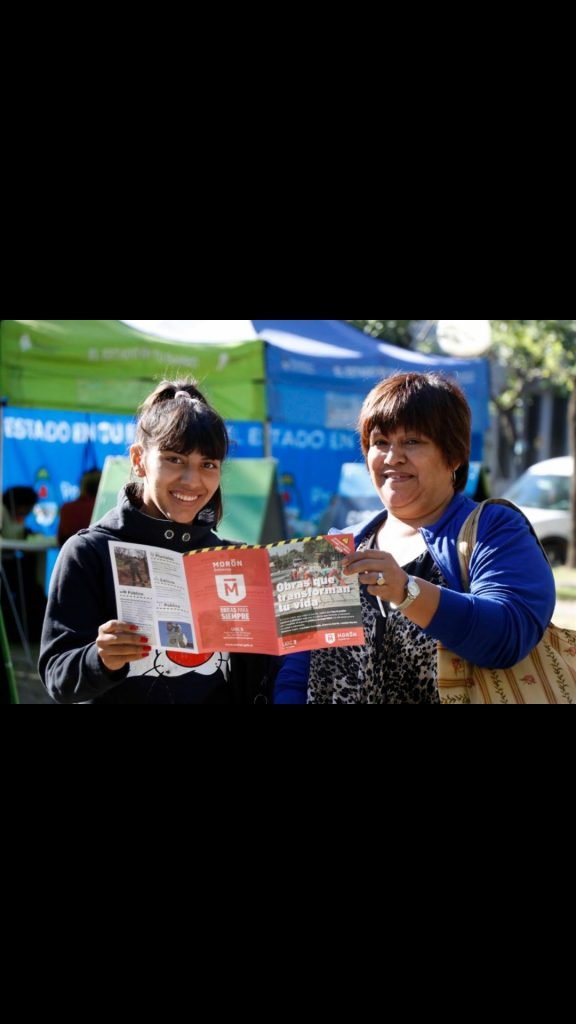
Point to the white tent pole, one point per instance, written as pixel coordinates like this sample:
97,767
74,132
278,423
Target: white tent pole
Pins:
267,420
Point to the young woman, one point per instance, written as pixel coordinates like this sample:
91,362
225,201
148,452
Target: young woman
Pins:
87,655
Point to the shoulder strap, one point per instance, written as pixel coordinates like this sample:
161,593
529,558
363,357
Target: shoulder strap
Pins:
469,531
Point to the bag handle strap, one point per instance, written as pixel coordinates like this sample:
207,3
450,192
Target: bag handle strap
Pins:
469,531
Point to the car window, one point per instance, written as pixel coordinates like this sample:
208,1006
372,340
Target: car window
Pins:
547,492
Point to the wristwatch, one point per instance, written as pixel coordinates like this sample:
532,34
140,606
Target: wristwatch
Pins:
412,592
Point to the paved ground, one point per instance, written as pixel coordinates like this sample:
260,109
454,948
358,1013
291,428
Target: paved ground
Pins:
30,688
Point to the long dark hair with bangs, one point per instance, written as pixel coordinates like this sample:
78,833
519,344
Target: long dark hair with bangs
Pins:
176,417
431,404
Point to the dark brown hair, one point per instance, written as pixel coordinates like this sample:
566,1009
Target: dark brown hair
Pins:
176,417
19,500
431,404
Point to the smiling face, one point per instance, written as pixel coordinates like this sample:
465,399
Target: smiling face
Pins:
180,445
410,473
177,486
415,434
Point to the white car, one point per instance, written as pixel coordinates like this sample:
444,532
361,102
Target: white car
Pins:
543,494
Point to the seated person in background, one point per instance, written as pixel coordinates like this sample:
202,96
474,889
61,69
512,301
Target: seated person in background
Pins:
76,515
18,503
19,568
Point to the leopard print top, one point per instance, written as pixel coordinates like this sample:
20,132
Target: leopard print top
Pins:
397,665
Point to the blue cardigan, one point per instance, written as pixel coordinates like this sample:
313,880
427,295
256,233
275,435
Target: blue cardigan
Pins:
510,603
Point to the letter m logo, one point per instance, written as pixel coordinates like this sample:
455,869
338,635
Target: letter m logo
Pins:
231,589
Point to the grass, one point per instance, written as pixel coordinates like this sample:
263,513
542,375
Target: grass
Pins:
565,583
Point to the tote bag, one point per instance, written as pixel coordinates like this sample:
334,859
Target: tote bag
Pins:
545,676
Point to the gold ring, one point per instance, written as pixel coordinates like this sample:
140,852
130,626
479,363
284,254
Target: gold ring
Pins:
380,582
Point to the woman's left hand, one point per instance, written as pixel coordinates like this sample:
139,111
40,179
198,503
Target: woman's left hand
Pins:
379,572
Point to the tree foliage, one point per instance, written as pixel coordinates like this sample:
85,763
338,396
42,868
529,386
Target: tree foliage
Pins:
394,331
534,352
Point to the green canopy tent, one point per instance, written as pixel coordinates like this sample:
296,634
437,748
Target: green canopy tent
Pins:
106,366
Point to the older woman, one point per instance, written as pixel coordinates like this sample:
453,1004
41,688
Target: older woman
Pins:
415,435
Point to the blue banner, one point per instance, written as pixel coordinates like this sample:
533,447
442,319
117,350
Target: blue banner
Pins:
309,462
49,450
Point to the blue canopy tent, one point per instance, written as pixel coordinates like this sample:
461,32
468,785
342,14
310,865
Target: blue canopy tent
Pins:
318,373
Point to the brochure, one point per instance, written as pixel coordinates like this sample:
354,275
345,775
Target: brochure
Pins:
285,597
